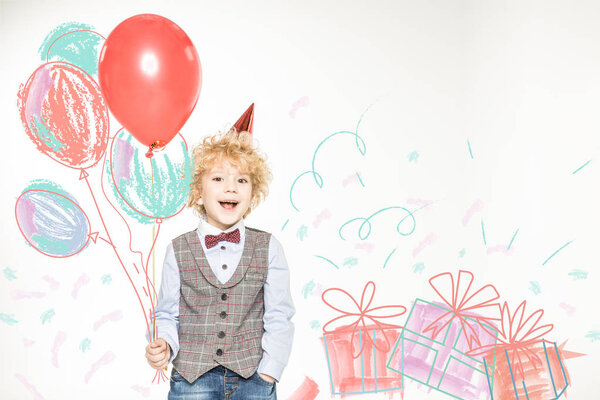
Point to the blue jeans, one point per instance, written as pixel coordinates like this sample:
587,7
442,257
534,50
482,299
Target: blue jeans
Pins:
221,384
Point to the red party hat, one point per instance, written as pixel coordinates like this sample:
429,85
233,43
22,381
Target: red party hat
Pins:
246,120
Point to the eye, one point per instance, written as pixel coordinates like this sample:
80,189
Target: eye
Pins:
217,179
243,180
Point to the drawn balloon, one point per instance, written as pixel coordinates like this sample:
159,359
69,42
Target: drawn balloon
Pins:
52,222
149,189
64,114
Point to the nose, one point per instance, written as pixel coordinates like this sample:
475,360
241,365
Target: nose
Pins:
231,185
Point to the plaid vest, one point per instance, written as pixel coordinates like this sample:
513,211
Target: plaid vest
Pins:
220,324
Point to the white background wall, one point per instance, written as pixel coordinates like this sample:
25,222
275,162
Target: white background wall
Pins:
517,80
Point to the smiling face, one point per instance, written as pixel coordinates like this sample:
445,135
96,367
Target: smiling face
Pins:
226,194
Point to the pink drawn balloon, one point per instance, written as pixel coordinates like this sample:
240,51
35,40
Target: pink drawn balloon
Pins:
65,115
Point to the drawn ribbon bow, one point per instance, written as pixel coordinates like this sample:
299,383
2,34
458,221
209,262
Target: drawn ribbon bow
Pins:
517,337
362,313
463,305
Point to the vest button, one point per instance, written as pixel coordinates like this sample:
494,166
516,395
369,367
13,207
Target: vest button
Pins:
223,315
222,247
219,352
224,296
224,266
221,335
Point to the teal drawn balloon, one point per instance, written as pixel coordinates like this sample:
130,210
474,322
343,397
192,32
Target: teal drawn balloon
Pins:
147,189
73,42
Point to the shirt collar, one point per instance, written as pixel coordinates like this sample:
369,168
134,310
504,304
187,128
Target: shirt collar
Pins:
204,228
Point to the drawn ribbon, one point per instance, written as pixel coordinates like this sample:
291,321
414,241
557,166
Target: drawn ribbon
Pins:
363,312
463,305
517,337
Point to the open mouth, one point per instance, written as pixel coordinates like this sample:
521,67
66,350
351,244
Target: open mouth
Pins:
228,204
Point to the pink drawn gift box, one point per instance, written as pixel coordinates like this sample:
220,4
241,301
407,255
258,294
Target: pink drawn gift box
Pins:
357,352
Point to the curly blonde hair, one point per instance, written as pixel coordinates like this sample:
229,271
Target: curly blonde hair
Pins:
237,149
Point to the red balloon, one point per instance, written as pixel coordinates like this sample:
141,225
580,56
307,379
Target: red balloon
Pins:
150,75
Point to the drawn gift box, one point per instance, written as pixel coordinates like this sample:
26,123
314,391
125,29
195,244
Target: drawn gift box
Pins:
357,352
433,346
527,366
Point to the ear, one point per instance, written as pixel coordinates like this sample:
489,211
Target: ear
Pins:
200,201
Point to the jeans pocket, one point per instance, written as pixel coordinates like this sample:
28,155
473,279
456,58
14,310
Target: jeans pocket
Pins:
262,380
176,376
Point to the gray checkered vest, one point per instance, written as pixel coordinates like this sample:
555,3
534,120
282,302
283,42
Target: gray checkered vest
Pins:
220,324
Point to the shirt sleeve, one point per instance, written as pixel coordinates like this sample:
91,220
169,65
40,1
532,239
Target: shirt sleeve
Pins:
167,309
279,309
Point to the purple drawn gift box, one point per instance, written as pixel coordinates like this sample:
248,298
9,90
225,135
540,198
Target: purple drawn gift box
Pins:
441,363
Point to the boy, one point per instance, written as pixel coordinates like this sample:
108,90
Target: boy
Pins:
224,306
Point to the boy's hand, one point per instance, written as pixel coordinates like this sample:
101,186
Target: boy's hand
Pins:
267,377
158,353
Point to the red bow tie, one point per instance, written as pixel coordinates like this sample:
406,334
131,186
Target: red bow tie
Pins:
212,240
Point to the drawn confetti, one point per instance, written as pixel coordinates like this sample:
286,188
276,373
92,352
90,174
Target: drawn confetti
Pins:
143,390
420,203
308,390
570,310
593,335
388,258
30,387
462,253
418,268
413,157
578,274
534,286
350,262
59,340
428,241
308,289
8,318
512,240
22,294
83,280
106,279
9,274
47,316
483,233
328,260
314,324
499,248
470,151
366,223
577,170
284,224
369,247
53,283
475,207
106,359
360,146
85,345
553,254
298,104
302,232
354,178
113,316
323,215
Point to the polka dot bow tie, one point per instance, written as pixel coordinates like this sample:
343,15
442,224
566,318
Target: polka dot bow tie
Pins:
212,240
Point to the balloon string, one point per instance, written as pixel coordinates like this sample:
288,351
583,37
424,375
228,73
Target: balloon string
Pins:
153,294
